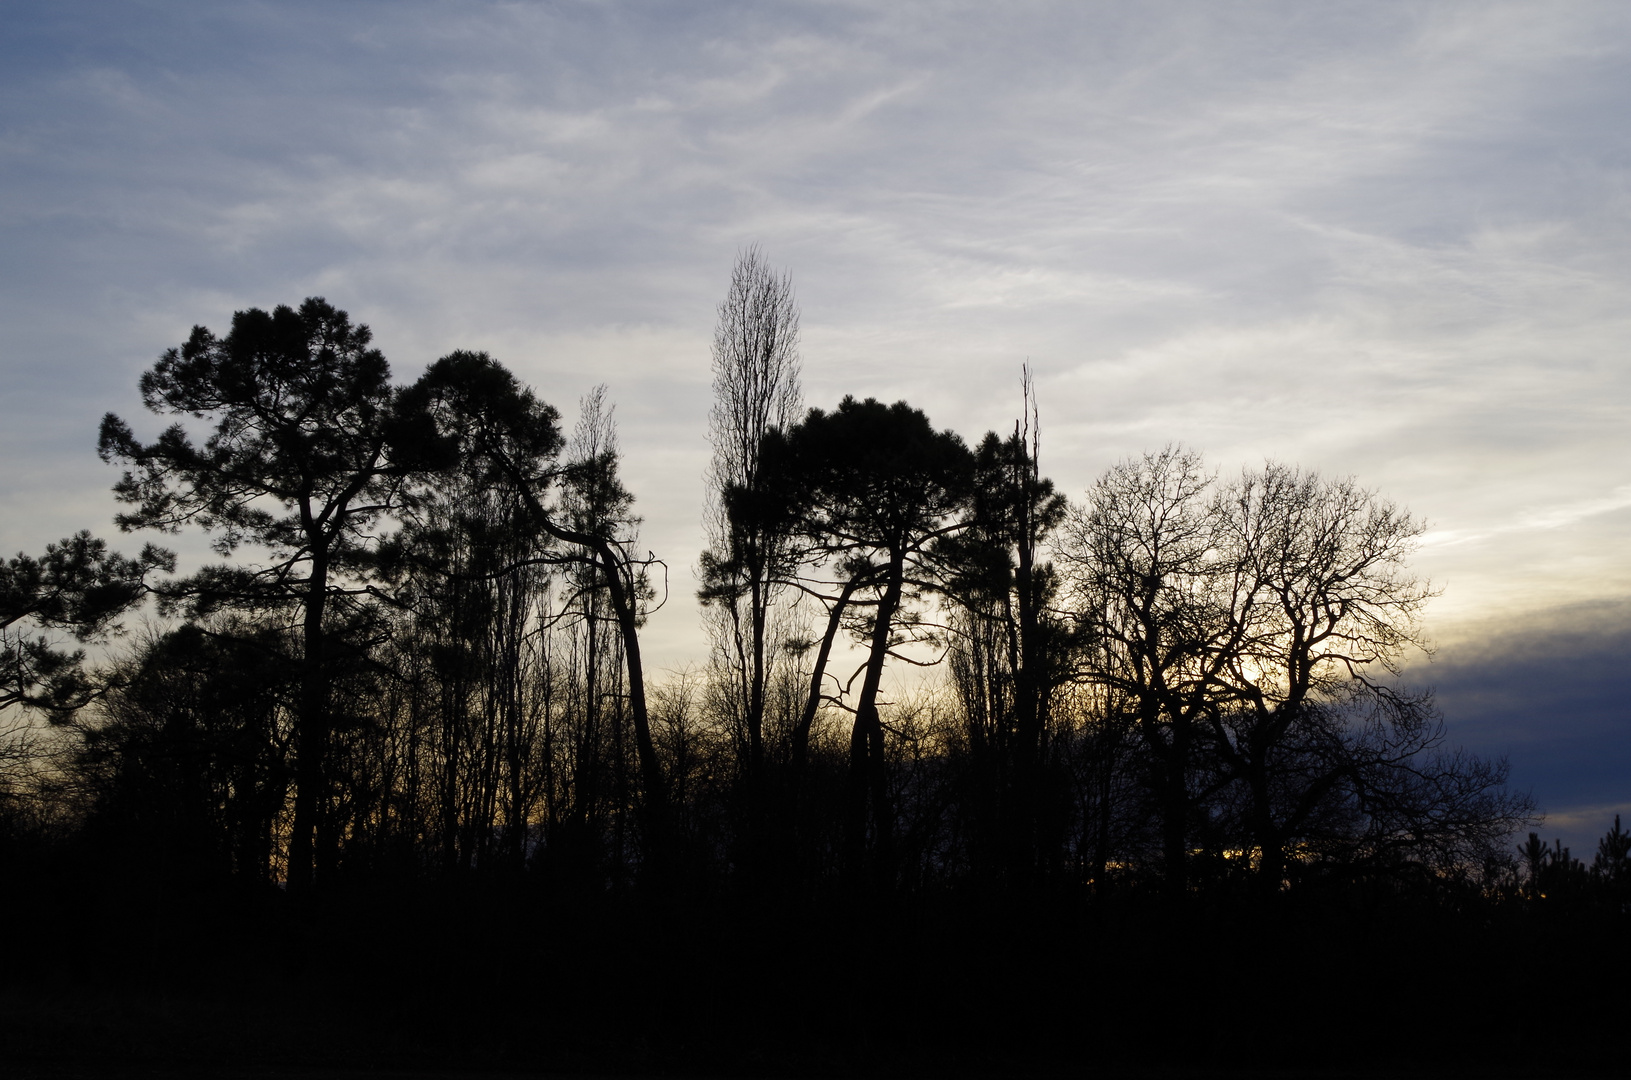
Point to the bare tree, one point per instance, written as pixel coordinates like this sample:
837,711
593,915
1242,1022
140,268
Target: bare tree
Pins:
756,390
1255,631
1322,605
1153,597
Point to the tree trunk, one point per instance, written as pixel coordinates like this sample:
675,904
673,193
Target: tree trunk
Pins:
654,794
1023,849
756,690
812,703
869,782
312,724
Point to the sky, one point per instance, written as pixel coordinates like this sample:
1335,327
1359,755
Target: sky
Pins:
1381,240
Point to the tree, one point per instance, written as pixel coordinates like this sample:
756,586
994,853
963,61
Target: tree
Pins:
468,411
184,762
1612,862
471,581
78,587
300,462
1254,631
1151,595
746,563
1611,867
1320,606
871,487
1009,651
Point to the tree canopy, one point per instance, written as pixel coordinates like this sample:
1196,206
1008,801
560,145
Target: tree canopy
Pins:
942,698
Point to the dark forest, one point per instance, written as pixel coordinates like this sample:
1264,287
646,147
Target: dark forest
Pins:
975,778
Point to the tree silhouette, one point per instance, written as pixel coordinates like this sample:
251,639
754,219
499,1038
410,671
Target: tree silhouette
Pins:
471,584
1611,866
1251,631
468,411
1011,652
1152,601
871,487
299,462
1320,606
77,587
421,688
186,769
746,563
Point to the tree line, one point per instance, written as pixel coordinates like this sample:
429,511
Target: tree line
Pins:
418,661
432,660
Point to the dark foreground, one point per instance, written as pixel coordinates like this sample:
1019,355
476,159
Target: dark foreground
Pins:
104,982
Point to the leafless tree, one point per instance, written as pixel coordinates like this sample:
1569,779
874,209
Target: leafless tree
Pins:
1153,595
756,389
1255,631
1321,605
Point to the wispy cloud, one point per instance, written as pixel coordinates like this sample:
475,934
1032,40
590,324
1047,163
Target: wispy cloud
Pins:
1380,240
1549,517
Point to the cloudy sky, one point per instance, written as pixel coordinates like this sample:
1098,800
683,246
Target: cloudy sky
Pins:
1387,240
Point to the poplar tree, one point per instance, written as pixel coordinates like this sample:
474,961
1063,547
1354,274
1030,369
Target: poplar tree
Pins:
744,569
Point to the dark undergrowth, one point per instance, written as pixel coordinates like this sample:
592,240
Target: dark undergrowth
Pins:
103,976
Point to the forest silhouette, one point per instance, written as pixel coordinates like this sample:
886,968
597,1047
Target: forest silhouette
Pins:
388,785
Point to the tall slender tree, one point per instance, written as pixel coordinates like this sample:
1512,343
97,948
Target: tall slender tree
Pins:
745,566
1009,655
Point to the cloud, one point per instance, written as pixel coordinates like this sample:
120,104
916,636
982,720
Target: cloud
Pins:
1548,517
1552,692
1379,240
